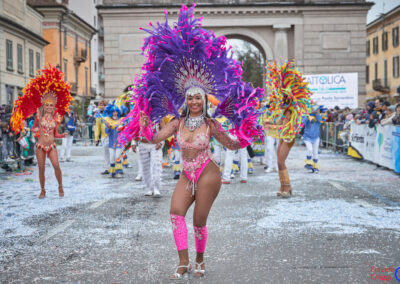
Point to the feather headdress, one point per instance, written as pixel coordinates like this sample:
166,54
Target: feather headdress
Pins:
48,85
289,92
183,59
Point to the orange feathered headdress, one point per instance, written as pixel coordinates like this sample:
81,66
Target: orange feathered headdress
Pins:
49,82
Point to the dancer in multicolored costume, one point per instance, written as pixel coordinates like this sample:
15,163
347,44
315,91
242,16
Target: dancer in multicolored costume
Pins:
112,122
184,64
288,103
312,124
47,95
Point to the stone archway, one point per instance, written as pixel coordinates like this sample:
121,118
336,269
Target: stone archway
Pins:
250,36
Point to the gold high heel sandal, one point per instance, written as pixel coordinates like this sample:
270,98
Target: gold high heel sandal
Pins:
285,181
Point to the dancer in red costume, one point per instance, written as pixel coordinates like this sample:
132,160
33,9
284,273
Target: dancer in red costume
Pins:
47,95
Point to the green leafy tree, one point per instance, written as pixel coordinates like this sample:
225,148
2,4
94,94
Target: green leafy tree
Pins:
253,64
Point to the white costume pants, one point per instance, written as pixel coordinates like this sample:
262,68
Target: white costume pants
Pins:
312,148
66,147
229,160
104,143
114,154
217,153
150,159
271,148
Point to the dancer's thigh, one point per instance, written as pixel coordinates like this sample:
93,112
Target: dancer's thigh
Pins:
41,158
53,156
207,191
283,152
182,197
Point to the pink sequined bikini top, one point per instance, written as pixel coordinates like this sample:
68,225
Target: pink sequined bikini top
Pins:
200,142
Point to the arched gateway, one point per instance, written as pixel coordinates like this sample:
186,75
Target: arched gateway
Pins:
322,36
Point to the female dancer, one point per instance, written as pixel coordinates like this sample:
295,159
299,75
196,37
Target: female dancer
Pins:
186,64
202,176
47,95
288,103
45,127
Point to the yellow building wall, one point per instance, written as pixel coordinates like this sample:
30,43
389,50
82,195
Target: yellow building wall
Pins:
379,58
52,56
51,51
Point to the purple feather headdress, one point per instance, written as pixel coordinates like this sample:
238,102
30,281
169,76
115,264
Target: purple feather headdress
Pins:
184,59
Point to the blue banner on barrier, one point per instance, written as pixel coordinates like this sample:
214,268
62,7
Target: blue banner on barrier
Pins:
396,148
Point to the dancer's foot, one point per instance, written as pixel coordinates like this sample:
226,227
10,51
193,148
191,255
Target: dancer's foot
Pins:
149,193
286,191
60,191
181,272
106,172
42,194
199,269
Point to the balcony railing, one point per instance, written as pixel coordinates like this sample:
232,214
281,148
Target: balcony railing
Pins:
74,88
378,86
81,56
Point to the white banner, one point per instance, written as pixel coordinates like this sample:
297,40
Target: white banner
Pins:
380,144
333,90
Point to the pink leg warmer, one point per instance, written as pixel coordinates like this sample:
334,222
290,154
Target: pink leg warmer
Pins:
200,237
180,231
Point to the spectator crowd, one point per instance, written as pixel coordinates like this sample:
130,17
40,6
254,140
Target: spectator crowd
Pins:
20,148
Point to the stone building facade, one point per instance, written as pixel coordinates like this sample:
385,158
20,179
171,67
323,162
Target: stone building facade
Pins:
383,53
69,49
21,47
321,36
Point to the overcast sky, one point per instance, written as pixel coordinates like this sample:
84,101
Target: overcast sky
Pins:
381,6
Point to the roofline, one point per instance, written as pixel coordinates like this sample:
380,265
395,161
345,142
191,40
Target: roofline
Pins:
384,15
94,30
25,30
34,8
130,6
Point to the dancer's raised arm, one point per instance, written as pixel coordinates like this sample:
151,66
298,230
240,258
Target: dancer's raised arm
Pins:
223,138
156,137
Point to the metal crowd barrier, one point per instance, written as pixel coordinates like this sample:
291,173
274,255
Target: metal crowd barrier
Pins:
82,136
333,136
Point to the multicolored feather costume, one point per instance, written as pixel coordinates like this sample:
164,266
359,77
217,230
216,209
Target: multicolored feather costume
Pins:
289,92
49,83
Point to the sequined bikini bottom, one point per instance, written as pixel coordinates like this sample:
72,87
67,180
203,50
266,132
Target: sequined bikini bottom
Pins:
46,148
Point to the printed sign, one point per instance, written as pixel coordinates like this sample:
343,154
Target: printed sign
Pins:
333,90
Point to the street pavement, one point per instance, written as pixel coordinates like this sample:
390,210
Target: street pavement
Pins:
341,226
